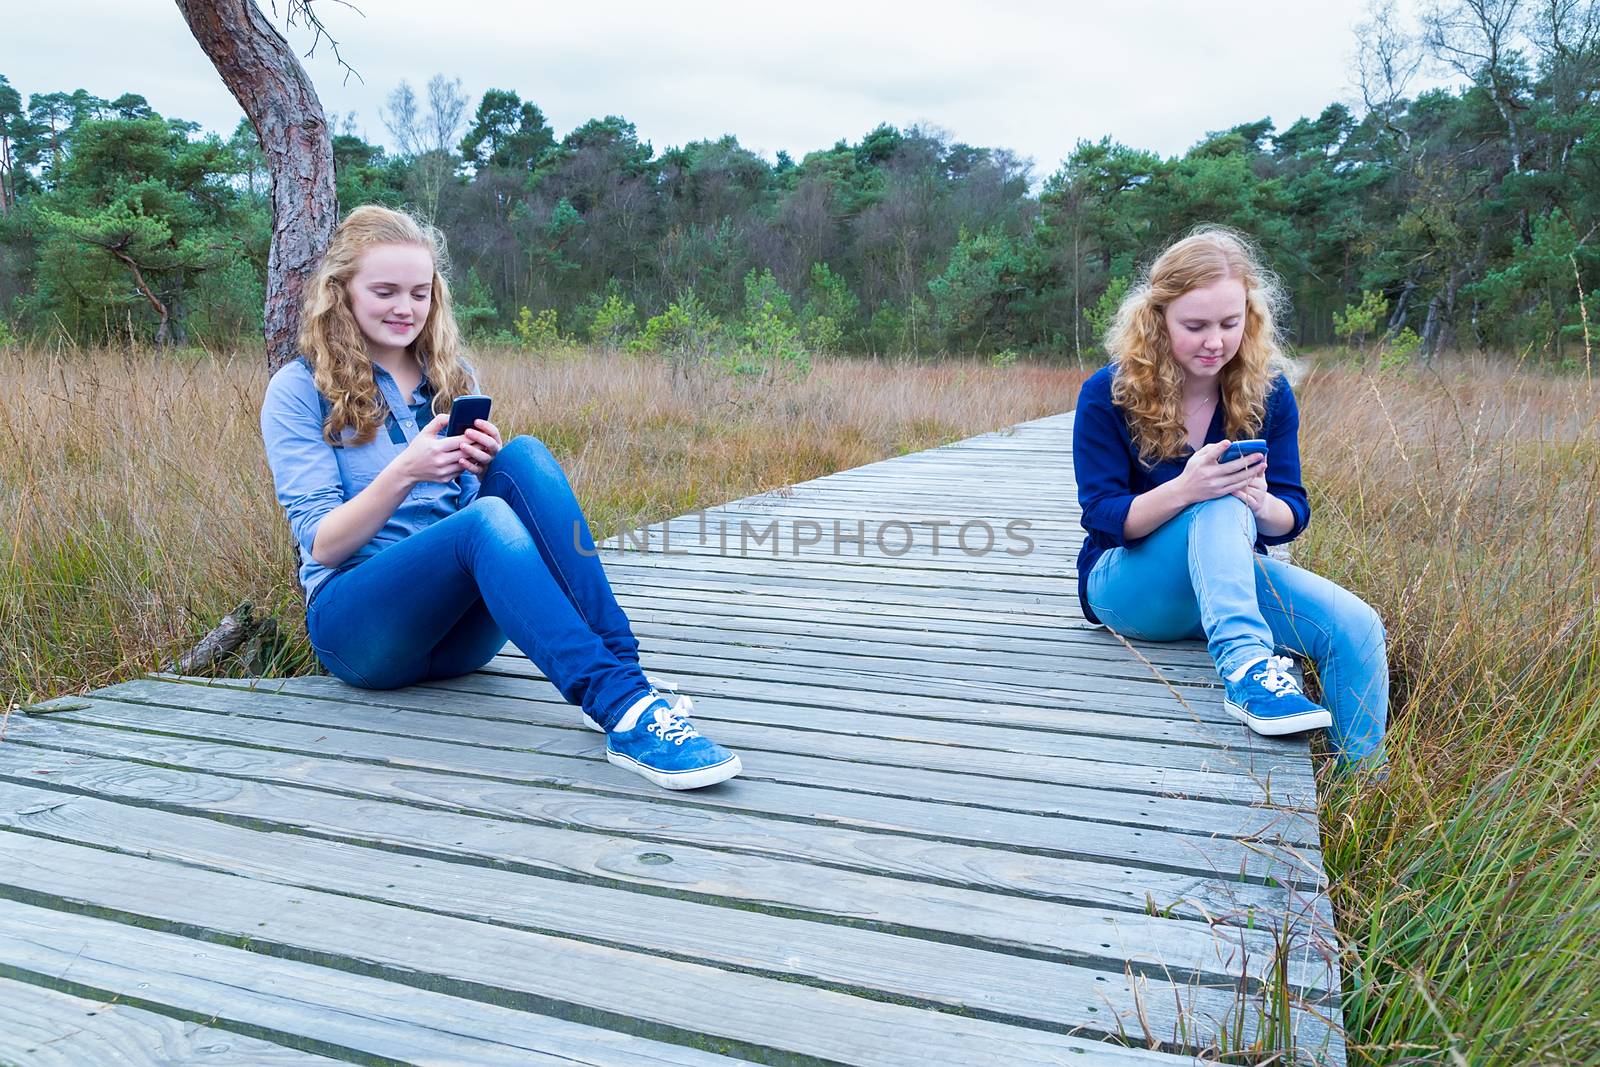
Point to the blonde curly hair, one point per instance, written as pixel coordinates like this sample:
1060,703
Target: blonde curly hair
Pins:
333,344
1149,382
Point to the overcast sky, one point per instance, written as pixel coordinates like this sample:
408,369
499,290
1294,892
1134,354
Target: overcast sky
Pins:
1030,76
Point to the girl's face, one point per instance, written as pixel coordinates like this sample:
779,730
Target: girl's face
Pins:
1205,326
390,295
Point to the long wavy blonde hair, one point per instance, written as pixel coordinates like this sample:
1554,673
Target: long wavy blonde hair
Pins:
1149,382
333,344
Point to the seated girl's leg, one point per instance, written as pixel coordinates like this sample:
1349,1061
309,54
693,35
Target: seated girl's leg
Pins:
396,618
1143,591
1193,577
526,476
472,642
1313,617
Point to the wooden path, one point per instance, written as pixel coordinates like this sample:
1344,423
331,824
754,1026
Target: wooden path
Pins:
971,829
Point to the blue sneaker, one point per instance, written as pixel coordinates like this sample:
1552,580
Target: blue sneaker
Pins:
1268,700
659,687
663,746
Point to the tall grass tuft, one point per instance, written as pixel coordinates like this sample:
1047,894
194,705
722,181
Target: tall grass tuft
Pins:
1462,504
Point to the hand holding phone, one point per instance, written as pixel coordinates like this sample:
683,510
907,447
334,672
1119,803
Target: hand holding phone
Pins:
464,411
1241,449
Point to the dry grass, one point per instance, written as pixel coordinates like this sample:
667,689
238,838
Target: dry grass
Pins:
1463,505
140,507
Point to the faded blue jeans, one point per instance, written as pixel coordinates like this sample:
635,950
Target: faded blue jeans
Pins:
1199,576
442,602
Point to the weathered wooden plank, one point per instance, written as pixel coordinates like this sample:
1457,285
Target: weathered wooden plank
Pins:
330,737
827,666
1056,992
463,957
728,635
863,515
995,851
886,686
359,1015
758,627
45,1028
1053,577
784,729
787,731
909,612
1071,932
1059,738
221,703
850,572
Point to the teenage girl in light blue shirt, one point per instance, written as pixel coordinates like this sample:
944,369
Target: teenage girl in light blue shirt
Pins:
421,554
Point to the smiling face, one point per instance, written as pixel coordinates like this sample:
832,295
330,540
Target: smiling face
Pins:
390,295
1205,326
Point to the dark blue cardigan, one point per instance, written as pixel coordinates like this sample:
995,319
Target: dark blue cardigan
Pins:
1110,474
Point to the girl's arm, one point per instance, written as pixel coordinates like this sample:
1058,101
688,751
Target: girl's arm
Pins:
1203,478
1285,510
307,481
346,529
1103,459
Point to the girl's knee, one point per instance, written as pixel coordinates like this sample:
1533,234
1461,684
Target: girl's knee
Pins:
1228,510
530,450
496,516
1359,622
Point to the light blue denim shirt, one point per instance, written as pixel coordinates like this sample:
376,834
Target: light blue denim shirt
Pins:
312,478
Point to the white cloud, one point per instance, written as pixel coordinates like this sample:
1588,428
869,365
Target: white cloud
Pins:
1033,77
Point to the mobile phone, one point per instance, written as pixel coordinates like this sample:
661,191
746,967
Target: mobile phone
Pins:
464,411
1241,449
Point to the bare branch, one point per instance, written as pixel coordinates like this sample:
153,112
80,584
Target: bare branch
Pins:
447,112
400,117
1388,57
300,12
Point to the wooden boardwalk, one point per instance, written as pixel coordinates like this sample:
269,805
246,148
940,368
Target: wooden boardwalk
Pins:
971,828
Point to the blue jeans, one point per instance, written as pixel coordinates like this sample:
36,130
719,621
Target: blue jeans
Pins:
442,602
1198,575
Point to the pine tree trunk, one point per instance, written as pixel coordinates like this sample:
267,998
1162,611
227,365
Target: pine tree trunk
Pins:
276,94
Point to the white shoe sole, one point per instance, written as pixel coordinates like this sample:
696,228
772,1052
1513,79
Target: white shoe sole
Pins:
697,779
1289,724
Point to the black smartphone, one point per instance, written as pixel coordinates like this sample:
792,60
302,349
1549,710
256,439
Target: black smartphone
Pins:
1241,449
464,411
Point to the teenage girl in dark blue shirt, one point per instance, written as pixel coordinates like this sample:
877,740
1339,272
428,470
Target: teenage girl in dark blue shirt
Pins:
1177,533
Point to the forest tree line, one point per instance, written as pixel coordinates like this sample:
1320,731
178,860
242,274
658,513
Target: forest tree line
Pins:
1448,218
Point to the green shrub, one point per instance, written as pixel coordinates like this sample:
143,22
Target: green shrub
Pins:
771,341
614,323
830,310
1360,318
686,333
1103,312
475,309
539,332
1398,352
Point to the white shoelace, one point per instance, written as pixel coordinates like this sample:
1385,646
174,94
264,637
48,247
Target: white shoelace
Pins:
1274,676
670,725
667,690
